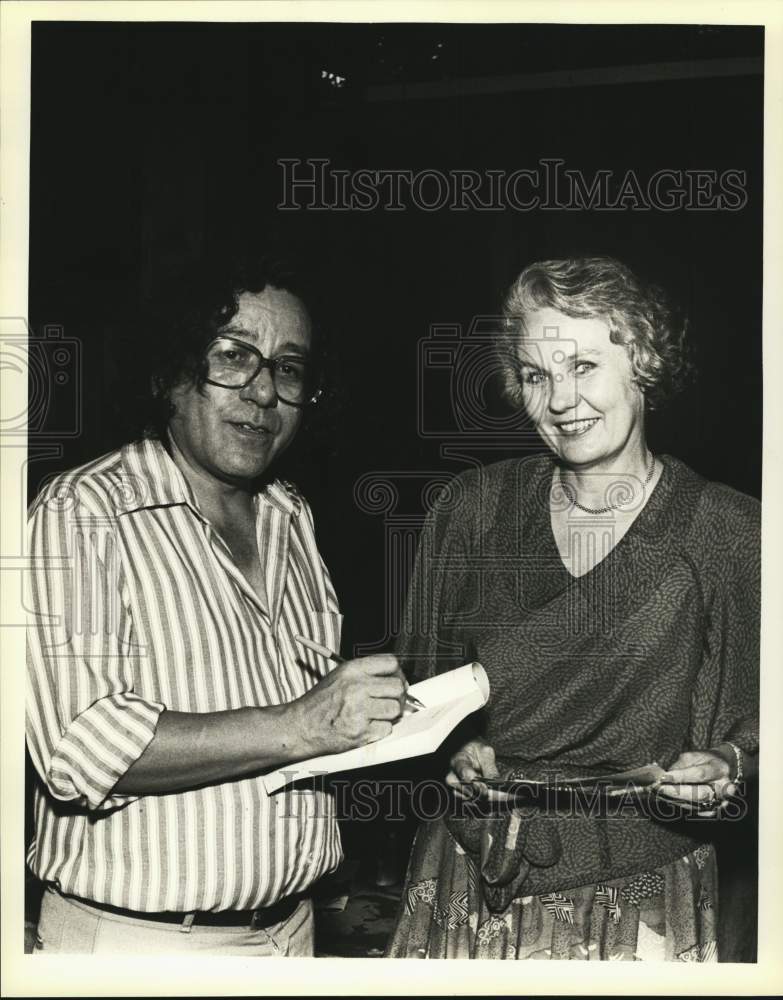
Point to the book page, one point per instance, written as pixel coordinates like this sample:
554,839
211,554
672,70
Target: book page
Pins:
453,684
448,699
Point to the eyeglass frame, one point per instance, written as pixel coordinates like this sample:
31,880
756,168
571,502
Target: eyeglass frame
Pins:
262,364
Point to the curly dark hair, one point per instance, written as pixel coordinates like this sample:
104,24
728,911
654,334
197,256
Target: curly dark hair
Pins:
638,315
184,314
160,343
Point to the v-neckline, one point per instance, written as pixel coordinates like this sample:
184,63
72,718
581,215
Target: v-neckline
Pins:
650,508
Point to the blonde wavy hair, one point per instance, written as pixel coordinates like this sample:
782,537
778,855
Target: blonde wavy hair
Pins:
638,315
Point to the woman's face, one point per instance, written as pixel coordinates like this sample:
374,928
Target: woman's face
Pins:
578,389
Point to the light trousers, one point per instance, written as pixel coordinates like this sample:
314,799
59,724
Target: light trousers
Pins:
68,926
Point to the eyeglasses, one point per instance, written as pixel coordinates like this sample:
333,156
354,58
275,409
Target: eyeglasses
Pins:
233,364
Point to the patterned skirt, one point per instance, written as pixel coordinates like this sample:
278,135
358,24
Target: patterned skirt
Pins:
666,914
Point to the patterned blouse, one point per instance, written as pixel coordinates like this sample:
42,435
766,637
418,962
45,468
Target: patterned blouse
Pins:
653,652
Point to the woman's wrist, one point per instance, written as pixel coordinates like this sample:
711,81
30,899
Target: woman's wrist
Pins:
734,757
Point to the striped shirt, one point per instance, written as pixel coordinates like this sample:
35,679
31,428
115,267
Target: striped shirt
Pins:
138,607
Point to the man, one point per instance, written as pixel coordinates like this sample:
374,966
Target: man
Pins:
171,579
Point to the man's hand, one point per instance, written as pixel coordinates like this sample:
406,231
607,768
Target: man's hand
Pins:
699,778
353,705
476,760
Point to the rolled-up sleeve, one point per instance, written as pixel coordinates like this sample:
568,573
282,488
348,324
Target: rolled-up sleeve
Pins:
86,725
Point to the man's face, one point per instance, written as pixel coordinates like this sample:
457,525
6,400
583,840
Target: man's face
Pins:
233,435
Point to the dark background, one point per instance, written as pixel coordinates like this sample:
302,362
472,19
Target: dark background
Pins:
155,143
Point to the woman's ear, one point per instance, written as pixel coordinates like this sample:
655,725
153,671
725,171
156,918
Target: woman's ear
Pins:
647,405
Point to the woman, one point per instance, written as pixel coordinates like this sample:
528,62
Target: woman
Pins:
612,596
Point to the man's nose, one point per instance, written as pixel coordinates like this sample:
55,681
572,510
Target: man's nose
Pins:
562,395
261,390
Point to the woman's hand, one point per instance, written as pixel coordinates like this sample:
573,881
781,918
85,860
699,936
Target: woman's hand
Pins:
699,778
474,761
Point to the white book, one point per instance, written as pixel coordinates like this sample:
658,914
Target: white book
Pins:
447,699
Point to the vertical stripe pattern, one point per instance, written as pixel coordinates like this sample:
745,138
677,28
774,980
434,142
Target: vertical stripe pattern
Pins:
137,607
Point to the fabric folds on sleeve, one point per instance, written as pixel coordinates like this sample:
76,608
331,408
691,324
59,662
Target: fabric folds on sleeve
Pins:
85,724
726,694
427,644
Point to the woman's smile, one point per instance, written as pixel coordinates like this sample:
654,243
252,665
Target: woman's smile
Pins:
573,428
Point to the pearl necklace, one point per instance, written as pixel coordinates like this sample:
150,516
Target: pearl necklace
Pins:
602,510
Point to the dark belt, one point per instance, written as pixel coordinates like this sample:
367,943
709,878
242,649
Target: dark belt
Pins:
266,916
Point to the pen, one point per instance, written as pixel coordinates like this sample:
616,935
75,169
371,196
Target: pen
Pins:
328,654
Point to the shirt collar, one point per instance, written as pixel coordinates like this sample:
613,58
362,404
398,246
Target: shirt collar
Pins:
152,479
284,496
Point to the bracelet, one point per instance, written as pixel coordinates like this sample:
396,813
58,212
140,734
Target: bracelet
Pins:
738,757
